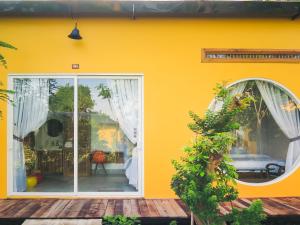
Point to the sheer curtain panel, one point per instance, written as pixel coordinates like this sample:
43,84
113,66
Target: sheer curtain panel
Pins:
287,120
124,103
30,112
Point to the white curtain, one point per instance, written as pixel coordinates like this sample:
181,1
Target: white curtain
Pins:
287,120
131,168
124,103
30,112
235,89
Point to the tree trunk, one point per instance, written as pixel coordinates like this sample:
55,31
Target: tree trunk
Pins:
259,138
214,162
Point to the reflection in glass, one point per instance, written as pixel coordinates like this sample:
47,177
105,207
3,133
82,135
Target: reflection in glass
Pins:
107,135
43,135
268,142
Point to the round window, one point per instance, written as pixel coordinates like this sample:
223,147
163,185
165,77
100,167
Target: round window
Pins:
268,141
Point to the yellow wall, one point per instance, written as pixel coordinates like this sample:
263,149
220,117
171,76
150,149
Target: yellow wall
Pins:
168,53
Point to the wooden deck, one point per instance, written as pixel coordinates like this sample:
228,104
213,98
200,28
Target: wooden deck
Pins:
273,207
91,208
143,208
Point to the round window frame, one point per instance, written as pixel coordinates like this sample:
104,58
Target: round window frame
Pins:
297,101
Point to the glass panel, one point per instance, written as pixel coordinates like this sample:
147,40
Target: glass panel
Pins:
107,135
43,135
261,150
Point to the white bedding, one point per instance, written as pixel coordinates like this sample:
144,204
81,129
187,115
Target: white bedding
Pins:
253,162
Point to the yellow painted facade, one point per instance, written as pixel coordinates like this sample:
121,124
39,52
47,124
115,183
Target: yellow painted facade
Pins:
168,53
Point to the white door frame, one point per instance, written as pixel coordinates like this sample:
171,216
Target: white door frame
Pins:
75,77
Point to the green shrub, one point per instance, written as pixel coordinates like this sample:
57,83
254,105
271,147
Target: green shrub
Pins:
120,220
204,176
252,215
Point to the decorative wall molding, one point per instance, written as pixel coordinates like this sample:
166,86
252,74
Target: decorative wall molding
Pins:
219,55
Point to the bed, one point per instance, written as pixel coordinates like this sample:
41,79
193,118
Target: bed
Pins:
253,162
259,163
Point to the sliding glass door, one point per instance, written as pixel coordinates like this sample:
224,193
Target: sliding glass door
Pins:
76,134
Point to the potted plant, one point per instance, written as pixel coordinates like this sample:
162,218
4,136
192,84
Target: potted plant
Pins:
30,161
204,176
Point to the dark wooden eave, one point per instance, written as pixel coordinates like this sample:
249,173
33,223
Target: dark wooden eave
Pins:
140,8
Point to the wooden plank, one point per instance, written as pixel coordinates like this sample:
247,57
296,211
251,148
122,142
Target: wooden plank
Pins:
295,210
73,209
13,209
223,211
4,204
245,201
295,202
178,210
183,206
28,210
44,206
239,205
110,209
93,208
55,210
227,206
102,207
143,208
166,204
67,209
152,208
6,208
127,207
162,212
85,209
135,211
119,207
277,207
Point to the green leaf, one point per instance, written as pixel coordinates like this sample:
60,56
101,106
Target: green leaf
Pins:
3,61
6,45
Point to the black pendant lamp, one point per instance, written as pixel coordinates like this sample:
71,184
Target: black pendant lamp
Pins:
75,33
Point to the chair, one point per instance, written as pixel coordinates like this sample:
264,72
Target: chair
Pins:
98,157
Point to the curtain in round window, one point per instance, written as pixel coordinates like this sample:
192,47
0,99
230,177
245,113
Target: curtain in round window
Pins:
287,120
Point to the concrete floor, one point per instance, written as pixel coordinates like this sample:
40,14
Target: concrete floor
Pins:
95,183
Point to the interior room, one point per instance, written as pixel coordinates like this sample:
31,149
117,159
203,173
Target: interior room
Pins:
263,150
105,139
